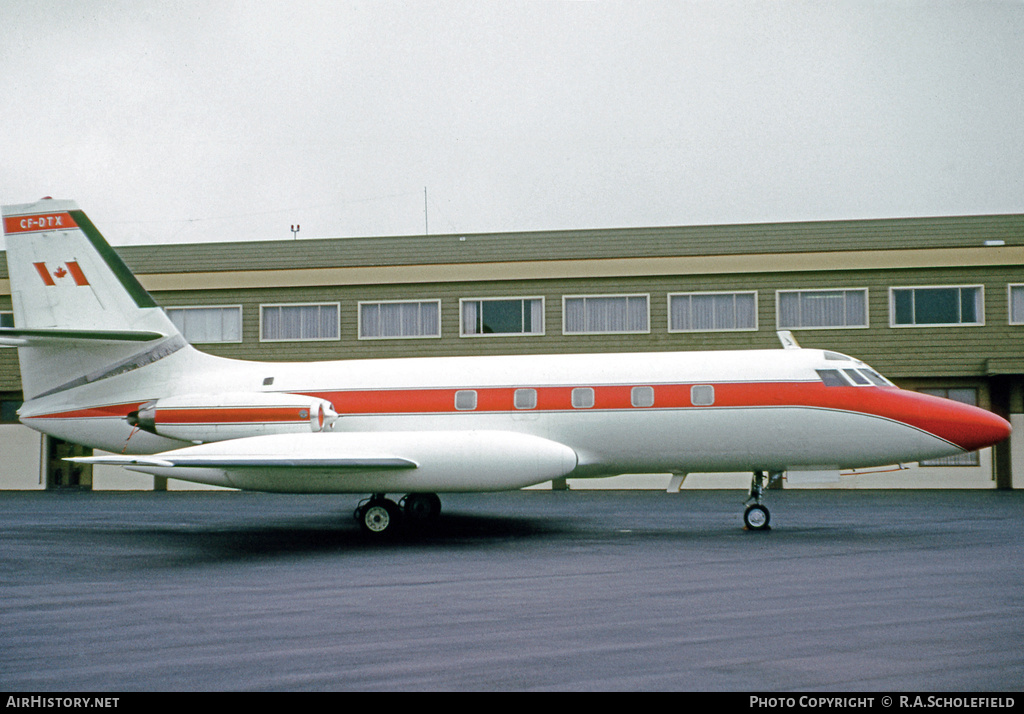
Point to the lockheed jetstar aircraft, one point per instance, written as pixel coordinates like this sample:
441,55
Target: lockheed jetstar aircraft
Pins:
103,366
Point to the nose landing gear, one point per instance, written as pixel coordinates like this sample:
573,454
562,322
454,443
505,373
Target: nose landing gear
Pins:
756,517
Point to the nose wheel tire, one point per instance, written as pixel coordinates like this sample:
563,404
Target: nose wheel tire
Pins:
756,517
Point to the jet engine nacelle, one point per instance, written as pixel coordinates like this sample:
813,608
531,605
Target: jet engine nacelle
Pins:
217,417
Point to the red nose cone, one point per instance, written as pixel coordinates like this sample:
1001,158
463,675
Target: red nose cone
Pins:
983,429
970,428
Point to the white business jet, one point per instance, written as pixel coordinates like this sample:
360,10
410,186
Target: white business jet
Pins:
103,366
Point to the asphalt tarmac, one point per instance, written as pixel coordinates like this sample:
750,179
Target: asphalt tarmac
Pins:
891,591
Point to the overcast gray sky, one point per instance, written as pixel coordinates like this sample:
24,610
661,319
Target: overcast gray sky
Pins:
215,120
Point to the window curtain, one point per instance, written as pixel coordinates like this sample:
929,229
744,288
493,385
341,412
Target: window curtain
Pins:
400,319
300,322
606,314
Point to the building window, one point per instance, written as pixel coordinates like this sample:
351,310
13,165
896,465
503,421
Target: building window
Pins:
399,320
967,396
208,324
700,312
822,309
512,316
10,403
957,305
1017,304
605,314
299,322
6,319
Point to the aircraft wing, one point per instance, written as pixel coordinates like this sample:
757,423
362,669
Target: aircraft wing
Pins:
354,462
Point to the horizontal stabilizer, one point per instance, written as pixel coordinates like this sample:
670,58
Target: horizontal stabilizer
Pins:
20,337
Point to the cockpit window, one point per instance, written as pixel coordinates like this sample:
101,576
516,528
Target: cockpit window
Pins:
876,378
832,378
835,356
856,376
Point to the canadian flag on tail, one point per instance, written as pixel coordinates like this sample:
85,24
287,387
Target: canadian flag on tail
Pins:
69,269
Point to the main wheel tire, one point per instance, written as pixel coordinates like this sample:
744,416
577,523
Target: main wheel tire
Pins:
421,507
379,517
756,517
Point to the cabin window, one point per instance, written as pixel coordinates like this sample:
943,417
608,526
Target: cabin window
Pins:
465,400
821,309
966,396
707,312
502,316
941,306
1016,304
605,314
399,320
702,395
208,324
299,322
525,399
6,319
582,398
642,397
832,378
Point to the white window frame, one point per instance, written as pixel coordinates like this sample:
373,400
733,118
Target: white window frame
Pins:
525,398
702,395
466,400
641,397
362,303
462,326
337,315
210,307
801,291
583,398
1009,303
734,293
647,316
913,325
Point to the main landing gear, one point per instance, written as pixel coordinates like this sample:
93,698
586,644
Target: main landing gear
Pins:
379,516
756,517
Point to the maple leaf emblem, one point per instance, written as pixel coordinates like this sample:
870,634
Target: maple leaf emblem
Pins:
60,272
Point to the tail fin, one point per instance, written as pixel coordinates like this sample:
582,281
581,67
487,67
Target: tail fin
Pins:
79,313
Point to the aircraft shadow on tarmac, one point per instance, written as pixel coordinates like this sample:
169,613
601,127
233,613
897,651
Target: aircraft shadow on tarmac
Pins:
194,543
